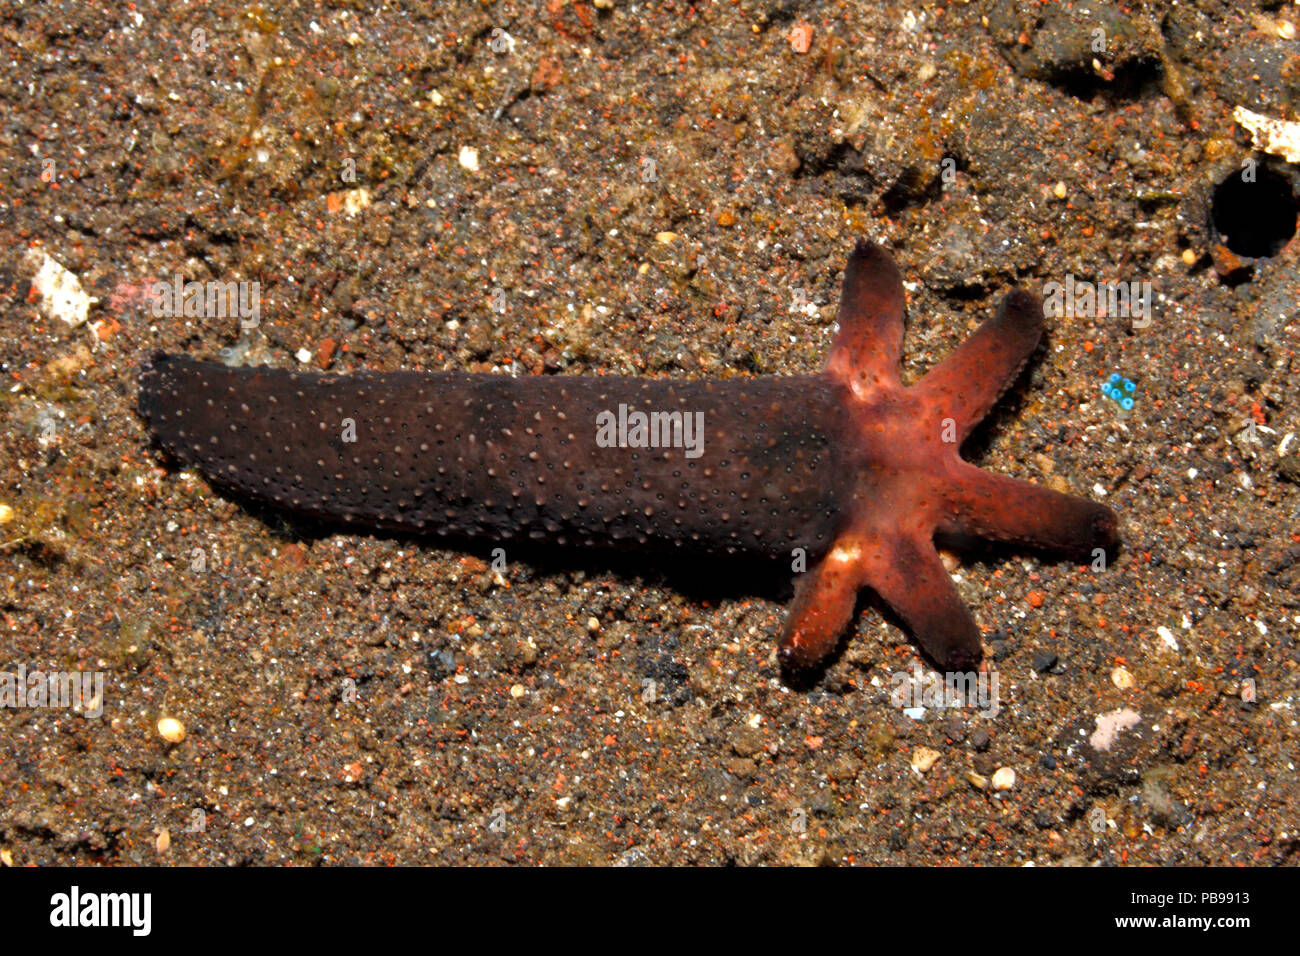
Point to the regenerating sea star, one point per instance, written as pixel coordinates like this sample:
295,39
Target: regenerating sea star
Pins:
849,465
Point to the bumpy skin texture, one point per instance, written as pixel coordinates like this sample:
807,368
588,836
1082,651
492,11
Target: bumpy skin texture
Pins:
849,465
509,458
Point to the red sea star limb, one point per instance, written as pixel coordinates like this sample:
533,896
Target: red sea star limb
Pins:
912,481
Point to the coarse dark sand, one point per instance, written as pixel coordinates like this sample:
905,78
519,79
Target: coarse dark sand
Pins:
652,189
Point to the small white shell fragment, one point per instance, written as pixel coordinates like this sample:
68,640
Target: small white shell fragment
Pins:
923,758
1167,636
171,730
468,158
1110,725
1004,778
61,294
355,200
1276,136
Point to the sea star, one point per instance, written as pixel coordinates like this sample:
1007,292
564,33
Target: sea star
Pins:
848,467
912,481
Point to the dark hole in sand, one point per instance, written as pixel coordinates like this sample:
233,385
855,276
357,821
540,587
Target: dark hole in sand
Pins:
1254,218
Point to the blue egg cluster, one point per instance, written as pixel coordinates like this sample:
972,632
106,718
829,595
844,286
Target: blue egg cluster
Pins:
1120,389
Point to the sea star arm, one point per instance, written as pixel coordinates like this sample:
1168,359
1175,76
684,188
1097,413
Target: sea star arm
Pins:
969,381
865,353
824,599
1008,509
912,580
907,574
